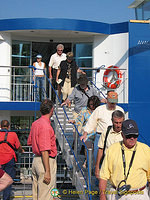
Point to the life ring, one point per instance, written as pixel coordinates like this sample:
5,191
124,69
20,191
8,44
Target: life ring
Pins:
116,78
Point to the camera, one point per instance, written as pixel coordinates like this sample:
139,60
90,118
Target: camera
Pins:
123,189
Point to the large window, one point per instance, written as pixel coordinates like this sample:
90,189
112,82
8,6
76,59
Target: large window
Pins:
143,11
21,74
21,125
21,53
83,56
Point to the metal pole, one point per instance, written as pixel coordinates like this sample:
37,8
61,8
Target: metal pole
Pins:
64,128
90,165
75,165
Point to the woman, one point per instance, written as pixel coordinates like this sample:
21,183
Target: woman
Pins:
85,113
39,77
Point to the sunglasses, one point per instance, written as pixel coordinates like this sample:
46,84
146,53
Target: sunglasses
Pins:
131,136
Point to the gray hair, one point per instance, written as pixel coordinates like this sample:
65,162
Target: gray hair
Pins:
118,114
61,46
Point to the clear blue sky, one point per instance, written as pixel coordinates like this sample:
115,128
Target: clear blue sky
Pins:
108,11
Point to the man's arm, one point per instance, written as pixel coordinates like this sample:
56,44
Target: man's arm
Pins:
5,181
102,189
80,71
45,159
98,159
50,72
20,149
58,72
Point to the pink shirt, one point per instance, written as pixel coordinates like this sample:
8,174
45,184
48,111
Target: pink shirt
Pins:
42,137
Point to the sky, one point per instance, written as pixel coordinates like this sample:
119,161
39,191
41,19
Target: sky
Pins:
108,11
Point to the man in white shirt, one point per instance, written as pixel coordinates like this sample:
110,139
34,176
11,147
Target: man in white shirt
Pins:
101,117
54,63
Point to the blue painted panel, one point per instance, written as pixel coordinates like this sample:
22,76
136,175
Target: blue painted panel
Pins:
139,77
119,28
54,24
20,106
62,24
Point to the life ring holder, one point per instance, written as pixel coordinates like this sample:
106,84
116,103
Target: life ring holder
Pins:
116,78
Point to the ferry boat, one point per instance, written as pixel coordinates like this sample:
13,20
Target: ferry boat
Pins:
105,51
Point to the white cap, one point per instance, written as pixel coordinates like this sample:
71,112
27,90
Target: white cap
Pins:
38,56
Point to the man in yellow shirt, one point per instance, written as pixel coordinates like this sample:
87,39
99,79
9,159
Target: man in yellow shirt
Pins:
127,167
110,136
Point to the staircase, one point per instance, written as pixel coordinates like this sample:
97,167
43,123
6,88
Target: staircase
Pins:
64,135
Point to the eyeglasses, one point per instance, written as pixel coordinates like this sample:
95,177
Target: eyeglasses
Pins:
131,136
59,50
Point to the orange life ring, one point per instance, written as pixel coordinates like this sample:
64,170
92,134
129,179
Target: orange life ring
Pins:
115,80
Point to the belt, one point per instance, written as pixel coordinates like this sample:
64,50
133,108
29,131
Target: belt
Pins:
139,189
134,191
52,157
49,156
99,133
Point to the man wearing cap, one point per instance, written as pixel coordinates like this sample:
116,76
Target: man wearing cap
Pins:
38,72
67,75
101,117
127,166
54,63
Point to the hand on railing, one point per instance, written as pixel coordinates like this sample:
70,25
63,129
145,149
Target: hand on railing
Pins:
71,121
66,102
84,137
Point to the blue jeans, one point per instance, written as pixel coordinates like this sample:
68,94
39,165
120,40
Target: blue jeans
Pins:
9,168
96,145
39,88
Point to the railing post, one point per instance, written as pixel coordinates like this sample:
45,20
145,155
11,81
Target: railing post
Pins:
64,128
90,166
75,153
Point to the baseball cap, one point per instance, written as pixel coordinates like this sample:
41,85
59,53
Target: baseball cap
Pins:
112,97
39,56
82,79
69,56
129,127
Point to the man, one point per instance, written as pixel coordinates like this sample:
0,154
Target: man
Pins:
101,117
8,143
5,180
39,77
67,74
111,135
54,63
127,167
80,95
43,142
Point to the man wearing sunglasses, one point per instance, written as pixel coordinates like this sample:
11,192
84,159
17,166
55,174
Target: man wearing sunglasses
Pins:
127,167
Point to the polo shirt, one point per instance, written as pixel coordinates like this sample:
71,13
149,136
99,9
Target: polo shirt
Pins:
112,138
100,119
6,152
55,60
42,137
112,167
80,99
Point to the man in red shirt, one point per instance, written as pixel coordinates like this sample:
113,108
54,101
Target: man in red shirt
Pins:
7,154
43,142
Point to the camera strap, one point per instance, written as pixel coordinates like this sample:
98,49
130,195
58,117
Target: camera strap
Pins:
124,162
